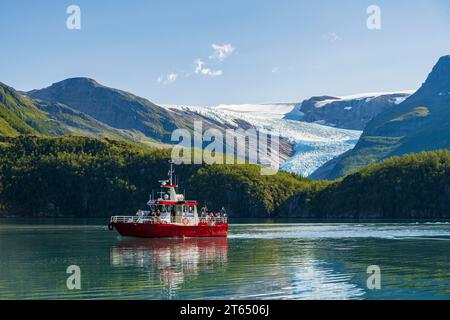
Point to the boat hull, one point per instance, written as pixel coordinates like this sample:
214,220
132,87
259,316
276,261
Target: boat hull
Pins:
148,230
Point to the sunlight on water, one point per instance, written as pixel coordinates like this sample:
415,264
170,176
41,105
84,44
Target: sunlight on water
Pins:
340,231
257,261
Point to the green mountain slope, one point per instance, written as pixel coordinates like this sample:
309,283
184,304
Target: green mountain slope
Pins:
115,108
79,124
19,115
420,123
11,124
133,118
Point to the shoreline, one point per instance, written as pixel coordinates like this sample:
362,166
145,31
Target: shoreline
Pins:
233,221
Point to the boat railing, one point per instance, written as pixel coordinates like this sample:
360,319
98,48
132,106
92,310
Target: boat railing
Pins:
134,219
213,219
125,219
157,220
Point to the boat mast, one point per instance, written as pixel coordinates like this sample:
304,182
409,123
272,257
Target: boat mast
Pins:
172,191
171,172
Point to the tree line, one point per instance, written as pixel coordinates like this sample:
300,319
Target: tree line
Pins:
89,177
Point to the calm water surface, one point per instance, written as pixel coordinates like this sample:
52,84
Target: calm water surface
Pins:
257,261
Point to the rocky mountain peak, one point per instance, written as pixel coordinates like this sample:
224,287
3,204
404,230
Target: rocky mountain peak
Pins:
79,81
438,81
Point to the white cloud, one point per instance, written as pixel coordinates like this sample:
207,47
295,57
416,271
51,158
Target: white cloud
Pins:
275,70
168,79
221,52
333,37
200,68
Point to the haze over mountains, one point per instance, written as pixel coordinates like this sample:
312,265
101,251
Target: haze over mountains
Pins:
319,136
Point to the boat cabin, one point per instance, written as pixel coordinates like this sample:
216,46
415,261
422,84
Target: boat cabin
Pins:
173,211
172,208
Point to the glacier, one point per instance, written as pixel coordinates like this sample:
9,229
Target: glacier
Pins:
313,144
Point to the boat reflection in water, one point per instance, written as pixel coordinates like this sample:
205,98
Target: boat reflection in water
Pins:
172,262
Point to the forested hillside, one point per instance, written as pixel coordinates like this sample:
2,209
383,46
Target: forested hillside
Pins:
77,176
86,177
409,187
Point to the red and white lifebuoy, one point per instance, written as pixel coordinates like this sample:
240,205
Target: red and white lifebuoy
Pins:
185,221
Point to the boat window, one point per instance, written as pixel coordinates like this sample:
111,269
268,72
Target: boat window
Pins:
188,211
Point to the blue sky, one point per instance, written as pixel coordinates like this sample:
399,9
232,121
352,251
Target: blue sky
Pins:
278,51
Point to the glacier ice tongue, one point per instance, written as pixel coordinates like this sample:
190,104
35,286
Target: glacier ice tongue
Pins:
314,144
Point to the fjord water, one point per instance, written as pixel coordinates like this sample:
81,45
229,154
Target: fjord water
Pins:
257,261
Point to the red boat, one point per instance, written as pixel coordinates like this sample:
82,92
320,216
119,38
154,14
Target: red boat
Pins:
171,216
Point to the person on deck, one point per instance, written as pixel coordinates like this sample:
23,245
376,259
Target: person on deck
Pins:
204,212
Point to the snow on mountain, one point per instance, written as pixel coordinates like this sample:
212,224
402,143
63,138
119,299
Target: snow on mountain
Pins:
365,96
314,144
347,112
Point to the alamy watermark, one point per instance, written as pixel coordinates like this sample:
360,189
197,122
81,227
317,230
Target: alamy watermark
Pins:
374,19
237,146
374,280
73,21
73,282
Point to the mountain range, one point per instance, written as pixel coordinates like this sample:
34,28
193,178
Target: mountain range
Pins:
320,137
420,123
21,115
352,112
83,107
113,107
